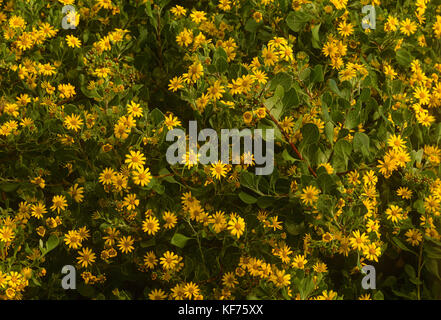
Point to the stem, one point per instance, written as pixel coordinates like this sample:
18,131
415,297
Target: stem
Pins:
293,147
420,267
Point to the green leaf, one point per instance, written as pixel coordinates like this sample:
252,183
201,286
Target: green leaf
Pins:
361,143
343,149
251,25
286,156
329,131
248,199
157,116
317,74
310,133
291,98
9,186
403,57
401,245
315,37
52,242
334,88
378,295
221,65
296,20
179,240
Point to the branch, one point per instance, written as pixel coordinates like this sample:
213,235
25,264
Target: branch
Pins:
285,134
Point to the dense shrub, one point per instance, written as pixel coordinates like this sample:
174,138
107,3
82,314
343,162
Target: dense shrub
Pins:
84,179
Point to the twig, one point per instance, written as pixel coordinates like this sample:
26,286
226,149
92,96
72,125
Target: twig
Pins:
293,147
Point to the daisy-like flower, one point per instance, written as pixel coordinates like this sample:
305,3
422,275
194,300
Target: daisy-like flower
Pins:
150,260
59,203
345,29
218,170
76,193
280,278
394,213
131,202
72,239
73,122
106,177
86,258
169,260
423,95
142,176
309,195
150,225
134,109
299,261
157,294
171,121
372,252
404,193
37,210
73,41
178,11
125,244
358,241
198,16
135,159
414,236
170,219
6,234
176,84
408,27
191,290
396,142
236,225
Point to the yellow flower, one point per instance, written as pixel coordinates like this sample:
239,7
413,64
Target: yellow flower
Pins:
170,219
236,225
414,236
150,225
72,239
157,294
86,258
73,41
309,195
106,177
73,122
171,121
131,202
358,241
125,244
198,16
345,29
175,84
134,109
178,11
135,160
218,170
150,260
6,234
396,142
299,261
372,252
59,203
408,27
142,176
169,260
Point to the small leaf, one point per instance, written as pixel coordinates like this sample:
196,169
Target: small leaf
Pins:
179,240
248,199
